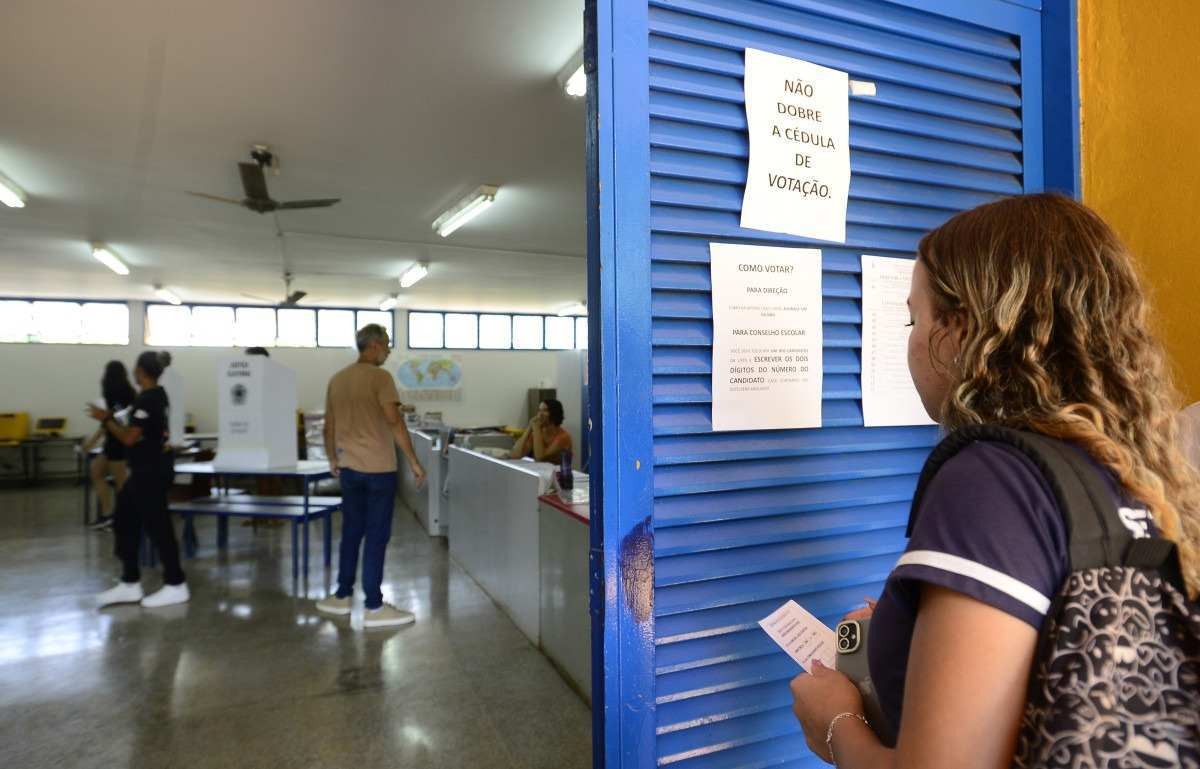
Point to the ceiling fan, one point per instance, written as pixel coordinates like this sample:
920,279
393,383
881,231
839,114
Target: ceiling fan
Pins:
290,298
254,184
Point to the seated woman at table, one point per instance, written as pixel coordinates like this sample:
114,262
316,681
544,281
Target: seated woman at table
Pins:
545,439
118,395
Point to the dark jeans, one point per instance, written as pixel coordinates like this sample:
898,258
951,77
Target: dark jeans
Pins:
367,503
142,505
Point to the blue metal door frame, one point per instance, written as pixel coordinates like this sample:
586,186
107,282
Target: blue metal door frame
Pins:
620,331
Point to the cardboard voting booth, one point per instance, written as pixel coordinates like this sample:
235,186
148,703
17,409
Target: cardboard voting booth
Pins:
257,412
172,382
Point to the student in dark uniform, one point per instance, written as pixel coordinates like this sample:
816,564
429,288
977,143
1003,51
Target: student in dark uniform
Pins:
142,503
118,395
1026,313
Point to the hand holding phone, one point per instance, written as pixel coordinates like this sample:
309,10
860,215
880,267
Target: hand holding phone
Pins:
852,660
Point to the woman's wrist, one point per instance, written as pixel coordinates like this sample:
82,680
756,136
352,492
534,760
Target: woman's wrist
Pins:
832,732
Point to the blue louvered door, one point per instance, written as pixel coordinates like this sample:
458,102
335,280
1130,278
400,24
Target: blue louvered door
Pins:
701,534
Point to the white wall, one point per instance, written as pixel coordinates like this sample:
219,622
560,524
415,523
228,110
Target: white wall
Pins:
58,380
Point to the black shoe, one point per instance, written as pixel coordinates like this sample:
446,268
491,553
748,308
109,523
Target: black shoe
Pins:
101,523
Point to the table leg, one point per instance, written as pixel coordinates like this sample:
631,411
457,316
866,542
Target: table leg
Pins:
295,553
87,498
306,548
189,536
223,532
150,555
328,537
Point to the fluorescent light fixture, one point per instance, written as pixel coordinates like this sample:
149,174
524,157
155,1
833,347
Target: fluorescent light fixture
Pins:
388,304
572,78
167,295
465,210
109,259
10,194
575,308
412,275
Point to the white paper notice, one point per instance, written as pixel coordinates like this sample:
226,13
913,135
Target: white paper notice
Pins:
767,336
888,395
799,120
804,637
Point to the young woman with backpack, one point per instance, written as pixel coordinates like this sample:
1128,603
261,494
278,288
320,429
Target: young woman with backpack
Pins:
1044,611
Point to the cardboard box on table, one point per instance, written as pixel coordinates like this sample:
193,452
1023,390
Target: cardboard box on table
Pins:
256,400
172,381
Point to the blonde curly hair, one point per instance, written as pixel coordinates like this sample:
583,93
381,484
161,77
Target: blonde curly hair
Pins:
1056,339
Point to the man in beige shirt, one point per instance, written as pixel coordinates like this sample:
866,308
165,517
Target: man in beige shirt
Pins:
363,425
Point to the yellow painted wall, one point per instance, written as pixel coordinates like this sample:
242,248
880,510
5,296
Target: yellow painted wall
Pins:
1139,73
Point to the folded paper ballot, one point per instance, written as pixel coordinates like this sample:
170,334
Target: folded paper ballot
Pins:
804,637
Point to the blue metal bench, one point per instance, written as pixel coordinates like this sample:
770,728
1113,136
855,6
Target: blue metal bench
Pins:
291,509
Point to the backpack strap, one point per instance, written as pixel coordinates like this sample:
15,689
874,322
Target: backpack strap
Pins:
1095,535
1157,554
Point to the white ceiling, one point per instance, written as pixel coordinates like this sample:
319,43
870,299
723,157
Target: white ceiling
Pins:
112,110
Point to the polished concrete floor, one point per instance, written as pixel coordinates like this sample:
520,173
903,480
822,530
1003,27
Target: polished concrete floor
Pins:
248,674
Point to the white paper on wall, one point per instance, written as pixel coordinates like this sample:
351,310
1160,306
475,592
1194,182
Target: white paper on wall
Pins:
798,116
889,397
767,336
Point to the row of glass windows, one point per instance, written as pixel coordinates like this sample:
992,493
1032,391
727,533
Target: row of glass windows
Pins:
218,326
489,331
61,322
53,322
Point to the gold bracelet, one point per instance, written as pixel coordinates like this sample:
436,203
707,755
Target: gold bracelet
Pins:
833,723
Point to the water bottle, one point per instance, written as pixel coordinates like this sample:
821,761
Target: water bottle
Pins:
566,478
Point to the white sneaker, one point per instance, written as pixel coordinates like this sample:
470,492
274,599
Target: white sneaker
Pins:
167,595
124,592
387,616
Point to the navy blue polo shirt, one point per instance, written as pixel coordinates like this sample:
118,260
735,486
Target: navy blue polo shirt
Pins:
988,528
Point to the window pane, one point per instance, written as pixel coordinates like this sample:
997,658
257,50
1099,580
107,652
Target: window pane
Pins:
527,332
495,332
212,326
57,322
168,325
383,317
335,328
297,328
105,323
16,321
581,333
462,330
425,329
255,327
560,333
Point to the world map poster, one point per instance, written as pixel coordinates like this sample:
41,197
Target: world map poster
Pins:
430,378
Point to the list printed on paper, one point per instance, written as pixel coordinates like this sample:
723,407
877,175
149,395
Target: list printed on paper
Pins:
804,637
767,358
798,117
889,397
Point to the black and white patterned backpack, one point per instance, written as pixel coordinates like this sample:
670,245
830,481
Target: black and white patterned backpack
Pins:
1116,679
